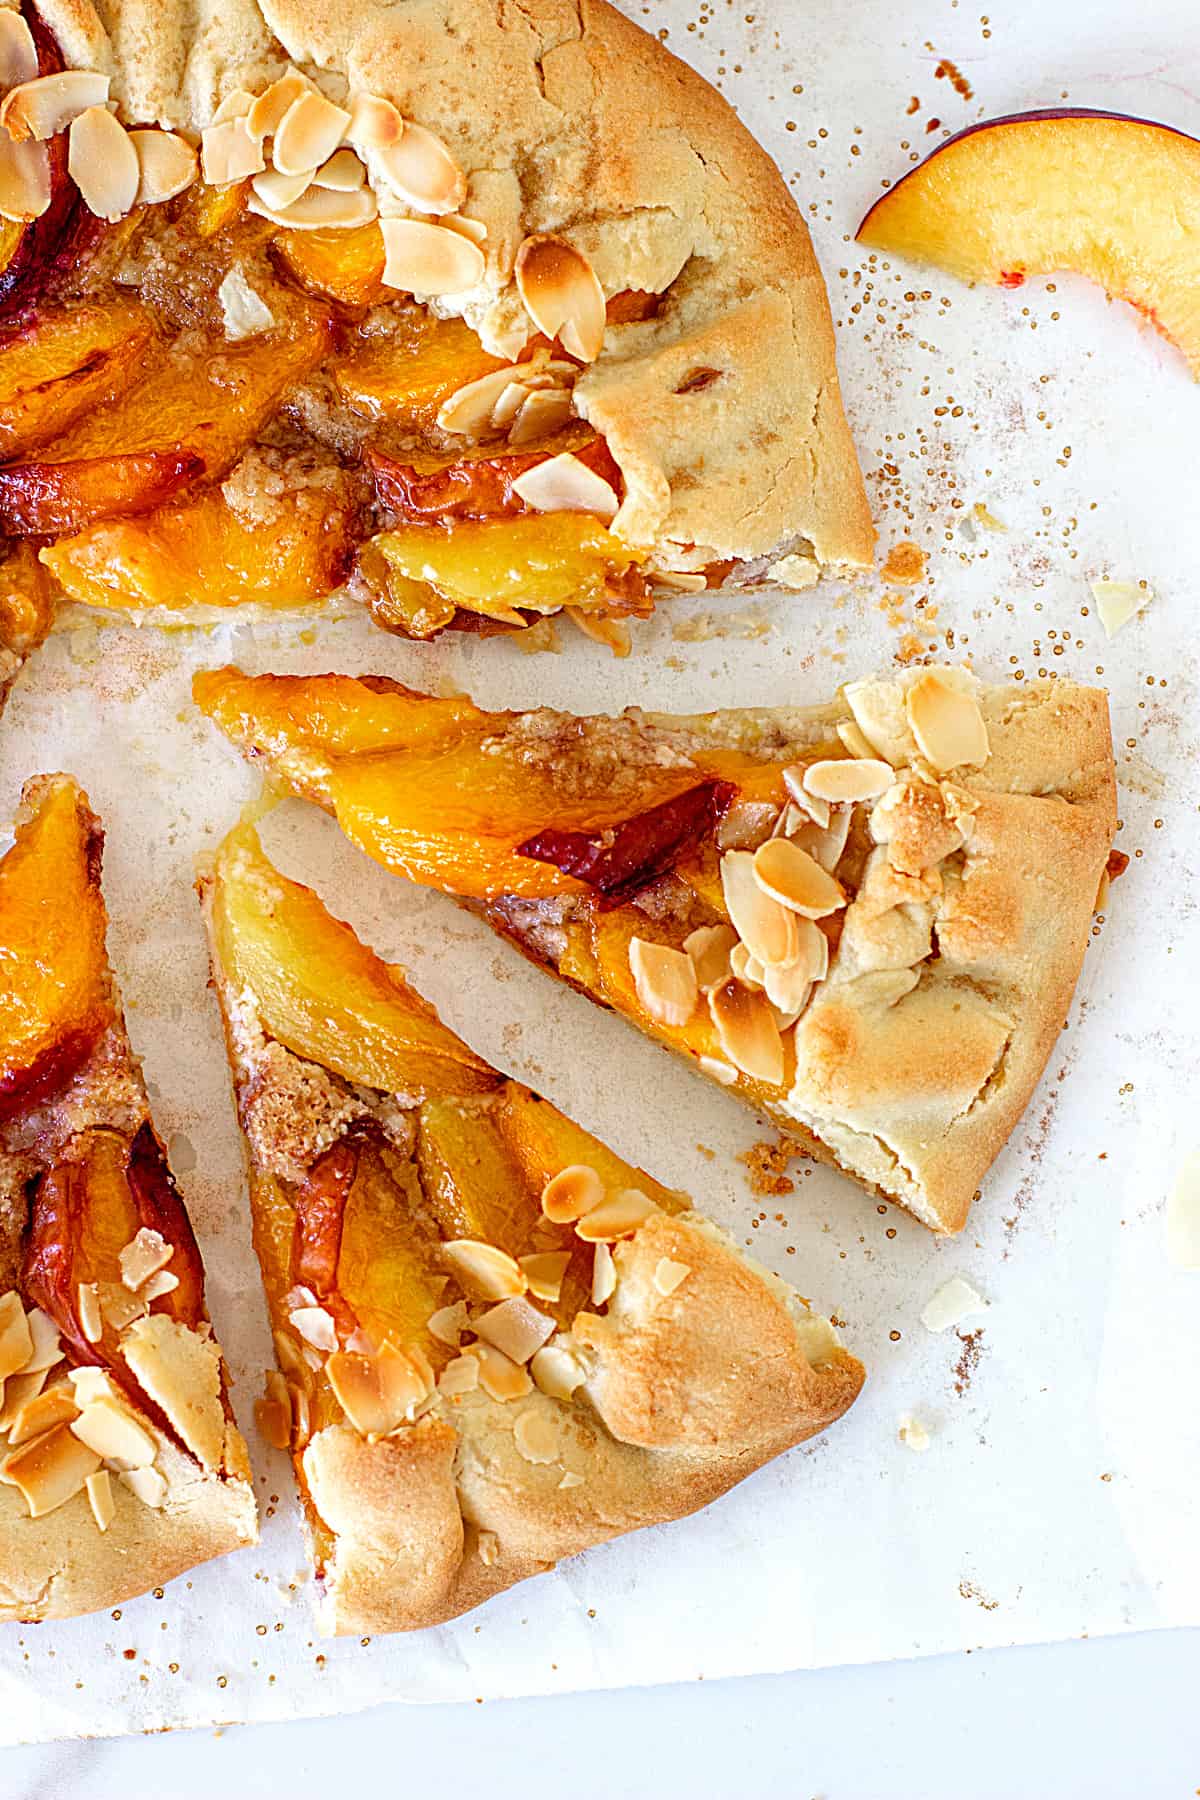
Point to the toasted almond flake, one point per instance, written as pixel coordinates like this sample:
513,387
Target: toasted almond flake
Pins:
319,209
618,1215
18,52
484,1270
158,1285
571,1193
110,1429
747,1031
90,1384
746,824
180,1371
16,1339
418,168
469,411
54,1406
789,991
448,1324
143,1256
315,1326
747,968
489,1548
571,1480
513,395
43,107
797,882
913,1433
845,780
343,172
499,1375
1119,601
379,1393
229,153
535,1433
289,1358
308,134
50,1469
612,633
946,721
268,112
374,123
91,1320
1183,1216
24,179
555,1371
100,1498
604,1275
235,105
16,1393
460,1376
515,1327
544,412
167,164
118,1307
877,709
709,947
816,808
826,847
564,484
544,1272
244,313
854,741
273,1412
149,1485
560,292
278,191
764,924
47,1346
668,1275
426,259
301,1415
954,1301
665,981
475,229
719,1071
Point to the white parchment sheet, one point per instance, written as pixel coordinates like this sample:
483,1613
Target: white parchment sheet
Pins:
1058,1495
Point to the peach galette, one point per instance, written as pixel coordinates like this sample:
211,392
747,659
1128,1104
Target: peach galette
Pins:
865,919
1100,194
476,312
120,1464
498,1343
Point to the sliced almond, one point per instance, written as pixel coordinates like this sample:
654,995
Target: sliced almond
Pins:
319,209
378,1393
544,412
301,1415
16,1339
555,1371
669,1275
747,968
788,990
277,191
515,1327
1119,601
764,924
484,1270
91,1384
229,152
273,1412
158,1285
143,1256
845,780
308,134
535,1433
618,1215
946,721
118,1307
289,1358
91,1319
47,1346
51,1469
448,1324
499,1375
103,163
268,112
235,105
428,260
665,980
418,167
604,1275
167,164
718,1071
43,107
109,1429
571,1193
24,178
461,1376
244,313
855,741
54,1406
180,1370
18,52
343,172
797,786
747,1031
513,396
564,484
475,229
149,1485
796,880
315,1326
560,292
544,1271
100,1498
16,1393
826,847
709,947
374,123
469,411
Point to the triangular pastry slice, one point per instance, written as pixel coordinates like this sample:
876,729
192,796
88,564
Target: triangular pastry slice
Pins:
498,1343
120,1463
867,919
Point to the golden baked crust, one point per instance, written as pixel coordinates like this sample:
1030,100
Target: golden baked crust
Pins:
967,894
59,1564
684,1390
569,118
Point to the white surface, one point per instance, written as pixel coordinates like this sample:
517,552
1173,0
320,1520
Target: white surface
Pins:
1058,1495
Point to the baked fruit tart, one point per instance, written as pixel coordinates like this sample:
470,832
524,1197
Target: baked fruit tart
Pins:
865,919
120,1463
497,1342
315,301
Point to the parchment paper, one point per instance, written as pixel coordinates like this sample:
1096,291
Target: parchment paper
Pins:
1057,1497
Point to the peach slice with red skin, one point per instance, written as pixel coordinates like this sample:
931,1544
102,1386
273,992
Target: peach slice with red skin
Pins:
1113,198
63,363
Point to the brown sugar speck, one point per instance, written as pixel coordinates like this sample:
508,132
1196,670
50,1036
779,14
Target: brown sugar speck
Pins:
766,1163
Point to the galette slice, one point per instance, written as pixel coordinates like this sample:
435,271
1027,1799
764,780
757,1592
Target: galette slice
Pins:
498,1343
867,919
120,1462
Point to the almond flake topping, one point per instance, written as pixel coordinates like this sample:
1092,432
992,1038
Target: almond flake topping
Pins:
515,1327
845,780
158,1285
665,980
544,1271
56,1406
109,1429
571,1193
278,191
308,133
1119,601
544,411
18,1391
230,152
427,259
273,1412
18,53
91,1319
668,1275
103,163
604,1275
855,741
718,1071
747,1031
560,292
761,919
143,1256
709,947
418,167
618,1215
265,115
118,1307
16,1341
235,105
795,780
90,1384
470,411
796,880
43,107
315,1326
564,484
747,968
377,1393
100,1498
374,123
448,1324
499,1375
826,847
946,721
51,1469
244,312
555,1371
47,1348
343,172
167,165
535,1434
484,1270
150,1485
24,178
319,209
460,1376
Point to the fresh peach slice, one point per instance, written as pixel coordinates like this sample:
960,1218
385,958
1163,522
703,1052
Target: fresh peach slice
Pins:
56,1002
1113,198
403,378
202,552
63,364
346,266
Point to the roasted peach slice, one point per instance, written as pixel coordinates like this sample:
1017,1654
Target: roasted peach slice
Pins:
1113,198
26,608
64,363
544,1141
478,483
471,1179
320,992
402,379
30,259
203,552
57,1002
346,266
336,715
388,1270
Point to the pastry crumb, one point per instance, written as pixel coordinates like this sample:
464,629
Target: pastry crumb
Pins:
766,1162
955,1300
913,1432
